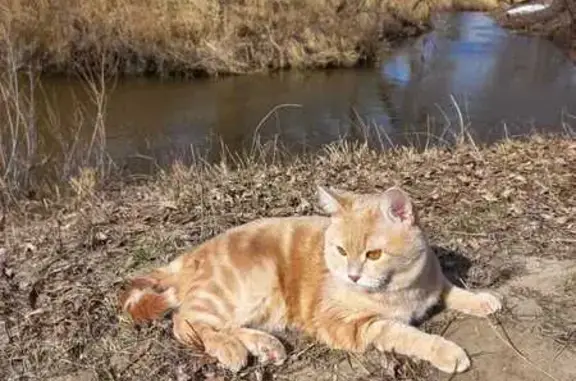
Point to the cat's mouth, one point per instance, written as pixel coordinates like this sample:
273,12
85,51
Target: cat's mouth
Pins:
374,285
367,284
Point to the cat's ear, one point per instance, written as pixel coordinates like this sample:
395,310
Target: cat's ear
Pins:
398,207
332,200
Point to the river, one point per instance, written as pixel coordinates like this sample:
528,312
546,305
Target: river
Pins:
468,72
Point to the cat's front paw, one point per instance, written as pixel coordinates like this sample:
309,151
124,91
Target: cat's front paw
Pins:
486,304
449,357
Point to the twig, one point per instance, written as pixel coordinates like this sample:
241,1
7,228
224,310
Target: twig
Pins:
483,235
564,240
297,355
508,341
265,118
446,326
564,346
359,361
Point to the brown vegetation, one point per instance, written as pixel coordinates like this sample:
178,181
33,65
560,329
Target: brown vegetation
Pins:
207,36
490,211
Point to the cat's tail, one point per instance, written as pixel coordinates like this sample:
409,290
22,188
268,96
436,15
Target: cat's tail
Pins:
148,297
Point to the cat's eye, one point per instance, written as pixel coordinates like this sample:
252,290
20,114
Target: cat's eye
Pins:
341,251
374,254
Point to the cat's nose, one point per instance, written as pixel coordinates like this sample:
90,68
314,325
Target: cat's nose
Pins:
354,278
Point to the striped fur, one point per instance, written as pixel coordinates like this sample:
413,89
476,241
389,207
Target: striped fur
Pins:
354,279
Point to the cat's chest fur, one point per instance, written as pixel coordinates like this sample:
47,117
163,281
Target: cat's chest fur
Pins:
406,302
407,305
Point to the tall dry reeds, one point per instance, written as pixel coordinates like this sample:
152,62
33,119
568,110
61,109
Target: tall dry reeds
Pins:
208,36
38,156
18,133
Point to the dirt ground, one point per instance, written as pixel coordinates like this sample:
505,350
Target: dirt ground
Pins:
501,218
537,300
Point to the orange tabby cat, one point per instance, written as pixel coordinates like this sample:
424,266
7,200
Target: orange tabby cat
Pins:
353,280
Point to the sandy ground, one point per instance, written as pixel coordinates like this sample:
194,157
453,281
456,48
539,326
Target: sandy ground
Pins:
523,351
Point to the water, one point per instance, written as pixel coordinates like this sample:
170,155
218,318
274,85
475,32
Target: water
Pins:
467,71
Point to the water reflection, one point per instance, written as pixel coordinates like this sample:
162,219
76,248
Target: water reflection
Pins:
496,79
502,83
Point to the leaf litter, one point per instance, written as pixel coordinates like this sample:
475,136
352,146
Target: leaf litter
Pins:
486,211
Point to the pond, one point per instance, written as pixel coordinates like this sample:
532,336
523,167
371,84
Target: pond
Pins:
467,73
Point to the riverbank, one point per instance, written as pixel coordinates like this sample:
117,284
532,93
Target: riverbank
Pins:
496,215
554,20
208,37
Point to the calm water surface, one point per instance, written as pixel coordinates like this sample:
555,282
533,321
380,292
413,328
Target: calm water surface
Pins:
467,70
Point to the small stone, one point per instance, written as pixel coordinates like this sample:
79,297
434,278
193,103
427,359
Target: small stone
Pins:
488,196
506,193
181,374
119,362
8,272
100,237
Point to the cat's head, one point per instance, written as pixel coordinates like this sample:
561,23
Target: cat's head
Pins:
371,237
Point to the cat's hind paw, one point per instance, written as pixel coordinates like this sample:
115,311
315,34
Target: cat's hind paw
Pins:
267,348
232,355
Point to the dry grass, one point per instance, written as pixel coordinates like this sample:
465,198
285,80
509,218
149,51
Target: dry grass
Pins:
28,166
479,5
61,263
208,36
